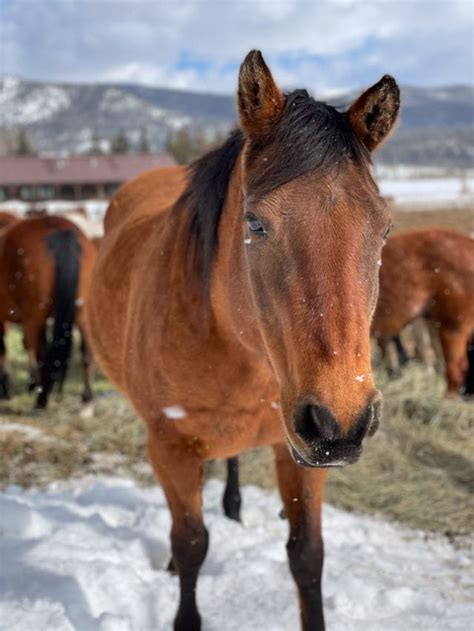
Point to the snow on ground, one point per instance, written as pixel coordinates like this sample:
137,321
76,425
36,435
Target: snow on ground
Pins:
95,208
91,554
434,192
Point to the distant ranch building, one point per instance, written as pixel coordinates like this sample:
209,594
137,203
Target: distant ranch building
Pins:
35,179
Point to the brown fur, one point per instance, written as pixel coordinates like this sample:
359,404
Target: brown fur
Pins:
7,219
27,281
285,331
430,273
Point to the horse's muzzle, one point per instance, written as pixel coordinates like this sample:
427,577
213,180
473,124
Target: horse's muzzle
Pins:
322,444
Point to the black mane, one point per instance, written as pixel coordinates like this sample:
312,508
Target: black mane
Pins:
308,136
204,199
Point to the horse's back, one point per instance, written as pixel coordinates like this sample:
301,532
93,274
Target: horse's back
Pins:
7,219
148,194
423,269
28,264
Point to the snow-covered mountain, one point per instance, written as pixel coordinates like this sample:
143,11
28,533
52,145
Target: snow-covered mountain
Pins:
436,126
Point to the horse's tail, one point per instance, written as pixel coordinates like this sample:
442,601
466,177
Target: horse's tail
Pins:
469,380
65,248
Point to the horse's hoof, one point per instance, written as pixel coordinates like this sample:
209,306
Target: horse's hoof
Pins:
41,402
87,397
171,568
5,393
233,514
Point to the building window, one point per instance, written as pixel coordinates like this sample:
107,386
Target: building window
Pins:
45,192
28,193
111,187
67,192
89,190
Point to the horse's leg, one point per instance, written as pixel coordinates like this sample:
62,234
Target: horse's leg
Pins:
4,377
302,491
389,356
402,355
424,351
87,365
469,380
454,343
438,353
232,500
34,339
34,361
182,477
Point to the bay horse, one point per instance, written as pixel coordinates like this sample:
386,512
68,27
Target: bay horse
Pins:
45,271
232,303
429,272
6,220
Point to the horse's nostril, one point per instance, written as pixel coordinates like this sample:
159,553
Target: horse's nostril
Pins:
367,423
316,423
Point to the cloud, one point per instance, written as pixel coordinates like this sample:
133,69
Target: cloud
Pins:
198,44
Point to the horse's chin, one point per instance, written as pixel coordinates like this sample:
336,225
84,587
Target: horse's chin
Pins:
317,462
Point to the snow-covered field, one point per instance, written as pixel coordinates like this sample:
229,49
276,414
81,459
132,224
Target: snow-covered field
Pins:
430,192
90,554
95,208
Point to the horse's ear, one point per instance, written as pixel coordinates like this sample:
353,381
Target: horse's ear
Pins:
374,113
259,99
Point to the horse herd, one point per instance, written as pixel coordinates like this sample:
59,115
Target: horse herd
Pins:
233,304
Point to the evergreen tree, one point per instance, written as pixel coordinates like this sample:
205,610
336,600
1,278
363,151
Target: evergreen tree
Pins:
181,146
120,143
144,144
96,149
23,144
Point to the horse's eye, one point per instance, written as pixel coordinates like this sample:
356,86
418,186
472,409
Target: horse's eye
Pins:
387,232
255,225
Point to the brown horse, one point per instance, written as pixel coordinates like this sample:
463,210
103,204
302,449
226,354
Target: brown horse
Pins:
6,219
239,314
430,273
45,271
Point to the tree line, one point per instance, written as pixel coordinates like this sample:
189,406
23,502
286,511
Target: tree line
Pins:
184,144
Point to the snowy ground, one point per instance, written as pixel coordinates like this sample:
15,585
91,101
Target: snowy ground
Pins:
429,193
90,555
95,208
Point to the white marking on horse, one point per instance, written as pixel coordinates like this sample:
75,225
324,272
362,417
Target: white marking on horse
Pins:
174,412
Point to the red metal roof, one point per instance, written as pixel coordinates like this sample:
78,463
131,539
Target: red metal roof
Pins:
32,170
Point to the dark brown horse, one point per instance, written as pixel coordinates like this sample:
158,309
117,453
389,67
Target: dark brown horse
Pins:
430,273
45,271
239,314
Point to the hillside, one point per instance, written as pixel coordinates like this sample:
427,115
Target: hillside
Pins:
436,125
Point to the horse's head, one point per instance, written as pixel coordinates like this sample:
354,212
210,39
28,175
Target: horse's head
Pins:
313,228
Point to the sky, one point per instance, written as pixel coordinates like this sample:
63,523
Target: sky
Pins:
321,45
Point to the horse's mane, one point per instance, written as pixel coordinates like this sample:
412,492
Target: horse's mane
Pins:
308,136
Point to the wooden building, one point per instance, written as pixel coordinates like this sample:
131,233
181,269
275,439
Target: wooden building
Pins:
37,179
